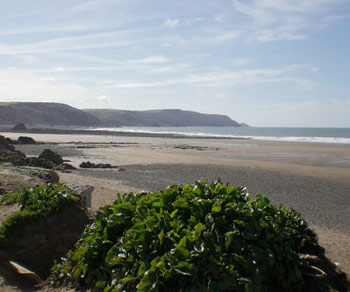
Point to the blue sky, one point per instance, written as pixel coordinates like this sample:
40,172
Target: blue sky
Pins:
262,62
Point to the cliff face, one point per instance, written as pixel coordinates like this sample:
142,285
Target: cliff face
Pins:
160,118
45,113
57,114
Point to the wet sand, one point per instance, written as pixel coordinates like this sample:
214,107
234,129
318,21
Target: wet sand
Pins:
312,178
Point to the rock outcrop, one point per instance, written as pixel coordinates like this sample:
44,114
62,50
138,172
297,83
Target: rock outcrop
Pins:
37,246
19,127
5,143
51,156
88,164
47,159
25,140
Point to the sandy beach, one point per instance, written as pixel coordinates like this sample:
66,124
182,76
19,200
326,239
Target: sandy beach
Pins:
312,178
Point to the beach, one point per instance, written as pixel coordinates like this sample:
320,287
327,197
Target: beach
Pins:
312,178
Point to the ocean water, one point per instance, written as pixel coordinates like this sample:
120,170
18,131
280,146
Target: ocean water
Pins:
321,135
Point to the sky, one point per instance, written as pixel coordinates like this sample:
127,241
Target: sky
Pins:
266,63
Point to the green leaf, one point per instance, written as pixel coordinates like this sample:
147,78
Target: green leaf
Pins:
198,230
100,284
144,285
180,203
173,214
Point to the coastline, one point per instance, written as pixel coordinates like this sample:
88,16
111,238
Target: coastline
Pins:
303,135
57,131
312,178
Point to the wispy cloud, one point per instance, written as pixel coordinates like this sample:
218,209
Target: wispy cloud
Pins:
284,20
208,37
240,61
92,5
28,59
88,41
221,79
151,60
103,98
151,64
171,22
26,85
45,29
235,78
137,84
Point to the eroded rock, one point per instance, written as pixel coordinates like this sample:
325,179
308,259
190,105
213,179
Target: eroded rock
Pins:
85,193
36,245
20,127
51,156
88,164
25,140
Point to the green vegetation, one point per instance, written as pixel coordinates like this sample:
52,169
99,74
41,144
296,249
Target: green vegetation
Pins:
6,103
159,118
44,113
34,204
201,237
40,173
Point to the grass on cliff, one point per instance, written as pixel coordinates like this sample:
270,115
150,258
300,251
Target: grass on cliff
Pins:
6,103
200,237
34,204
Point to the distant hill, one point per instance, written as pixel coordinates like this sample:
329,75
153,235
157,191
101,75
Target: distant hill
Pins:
57,114
245,125
45,113
160,118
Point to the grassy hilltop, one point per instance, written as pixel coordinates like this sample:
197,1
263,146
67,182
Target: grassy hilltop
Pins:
57,114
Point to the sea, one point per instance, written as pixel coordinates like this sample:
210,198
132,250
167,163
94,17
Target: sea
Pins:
320,135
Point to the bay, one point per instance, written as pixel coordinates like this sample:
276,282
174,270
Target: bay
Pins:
321,135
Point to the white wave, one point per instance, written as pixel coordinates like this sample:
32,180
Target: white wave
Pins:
336,140
333,140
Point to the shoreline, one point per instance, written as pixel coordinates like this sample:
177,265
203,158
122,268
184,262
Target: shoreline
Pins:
56,131
178,135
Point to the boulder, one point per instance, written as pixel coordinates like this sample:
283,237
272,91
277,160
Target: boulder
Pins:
10,141
16,158
39,162
20,127
85,193
51,156
52,177
38,244
65,166
25,140
88,164
5,143
24,272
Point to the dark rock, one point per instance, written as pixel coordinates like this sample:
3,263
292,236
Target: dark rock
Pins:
39,162
104,165
25,140
5,143
89,164
52,177
51,156
85,193
10,141
86,164
65,166
37,245
20,127
15,157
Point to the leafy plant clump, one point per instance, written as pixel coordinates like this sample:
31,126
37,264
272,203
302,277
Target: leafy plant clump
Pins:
201,237
34,204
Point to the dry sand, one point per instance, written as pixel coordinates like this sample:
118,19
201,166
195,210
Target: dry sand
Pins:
313,178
